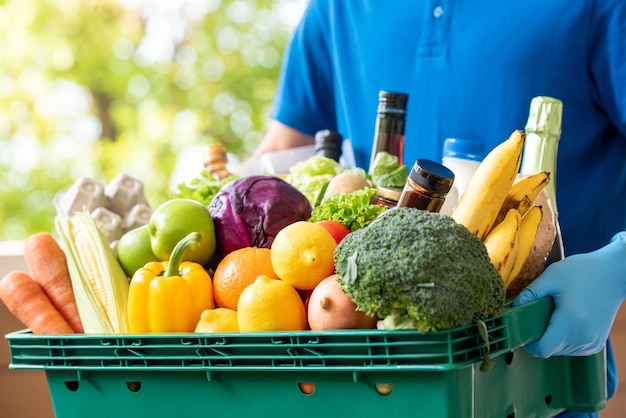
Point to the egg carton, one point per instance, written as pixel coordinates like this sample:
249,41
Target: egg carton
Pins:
116,207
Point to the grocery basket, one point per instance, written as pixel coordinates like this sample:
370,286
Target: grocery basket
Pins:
351,373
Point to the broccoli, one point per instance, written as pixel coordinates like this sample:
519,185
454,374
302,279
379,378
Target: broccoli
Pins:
419,270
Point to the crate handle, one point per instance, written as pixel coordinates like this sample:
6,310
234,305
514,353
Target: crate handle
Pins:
528,322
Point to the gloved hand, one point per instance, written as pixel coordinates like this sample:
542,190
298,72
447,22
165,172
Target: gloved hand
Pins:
587,290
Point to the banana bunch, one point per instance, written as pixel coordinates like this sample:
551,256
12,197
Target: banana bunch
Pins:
498,206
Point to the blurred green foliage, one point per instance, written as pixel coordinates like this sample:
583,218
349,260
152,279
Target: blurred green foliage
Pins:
94,88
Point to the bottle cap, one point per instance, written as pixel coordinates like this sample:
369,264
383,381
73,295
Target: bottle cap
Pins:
328,144
463,148
432,176
545,115
389,101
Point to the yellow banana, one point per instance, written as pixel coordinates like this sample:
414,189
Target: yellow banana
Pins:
481,202
523,193
529,225
502,243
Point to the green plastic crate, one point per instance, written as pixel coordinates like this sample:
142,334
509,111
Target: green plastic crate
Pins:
258,374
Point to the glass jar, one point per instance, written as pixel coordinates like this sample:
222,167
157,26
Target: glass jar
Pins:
388,196
427,186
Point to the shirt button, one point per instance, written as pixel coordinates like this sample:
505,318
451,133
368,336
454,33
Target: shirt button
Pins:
437,12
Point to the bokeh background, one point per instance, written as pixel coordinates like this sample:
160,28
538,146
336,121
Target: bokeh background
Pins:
94,88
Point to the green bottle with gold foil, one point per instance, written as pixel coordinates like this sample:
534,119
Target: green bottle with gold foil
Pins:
543,132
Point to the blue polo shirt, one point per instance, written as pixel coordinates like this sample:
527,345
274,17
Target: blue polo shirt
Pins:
471,70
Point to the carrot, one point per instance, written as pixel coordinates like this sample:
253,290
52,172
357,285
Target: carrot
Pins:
27,301
47,263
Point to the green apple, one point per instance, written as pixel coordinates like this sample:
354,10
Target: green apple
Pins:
134,250
173,220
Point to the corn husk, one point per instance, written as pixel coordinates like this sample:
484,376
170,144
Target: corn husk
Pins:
99,282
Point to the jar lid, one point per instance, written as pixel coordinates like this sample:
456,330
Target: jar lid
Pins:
432,175
391,193
463,148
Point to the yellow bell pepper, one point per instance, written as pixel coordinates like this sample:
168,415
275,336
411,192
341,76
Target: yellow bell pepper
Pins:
170,296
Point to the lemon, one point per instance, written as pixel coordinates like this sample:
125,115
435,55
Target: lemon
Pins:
270,305
302,254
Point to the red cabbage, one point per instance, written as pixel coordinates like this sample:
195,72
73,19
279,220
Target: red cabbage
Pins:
249,212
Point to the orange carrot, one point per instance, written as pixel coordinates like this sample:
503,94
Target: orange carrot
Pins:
47,263
27,301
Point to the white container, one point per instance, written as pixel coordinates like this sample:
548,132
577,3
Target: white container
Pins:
279,162
462,156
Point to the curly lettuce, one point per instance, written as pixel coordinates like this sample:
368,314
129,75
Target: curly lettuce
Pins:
202,188
311,176
353,210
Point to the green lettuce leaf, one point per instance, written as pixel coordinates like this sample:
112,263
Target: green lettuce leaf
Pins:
312,175
202,188
353,210
387,172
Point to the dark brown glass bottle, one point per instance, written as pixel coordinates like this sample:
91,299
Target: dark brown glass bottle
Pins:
390,120
328,144
427,186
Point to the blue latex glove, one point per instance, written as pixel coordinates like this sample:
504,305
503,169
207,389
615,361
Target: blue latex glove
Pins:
588,290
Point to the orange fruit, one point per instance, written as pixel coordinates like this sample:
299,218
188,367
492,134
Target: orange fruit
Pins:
218,320
270,305
238,270
302,254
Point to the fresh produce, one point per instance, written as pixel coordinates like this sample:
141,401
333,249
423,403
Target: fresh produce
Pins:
346,182
237,271
495,210
175,219
202,188
336,229
170,296
482,200
283,258
542,243
99,282
302,254
329,307
529,225
47,264
218,320
386,170
420,270
249,212
27,301
502,242
311,177
354,210
134,249
270,305
523,193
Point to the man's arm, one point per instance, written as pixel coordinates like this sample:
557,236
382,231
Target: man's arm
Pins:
279,137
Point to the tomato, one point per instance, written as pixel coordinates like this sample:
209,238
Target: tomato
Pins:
336,229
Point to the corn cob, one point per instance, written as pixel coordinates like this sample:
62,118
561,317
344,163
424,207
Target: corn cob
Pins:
99,282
